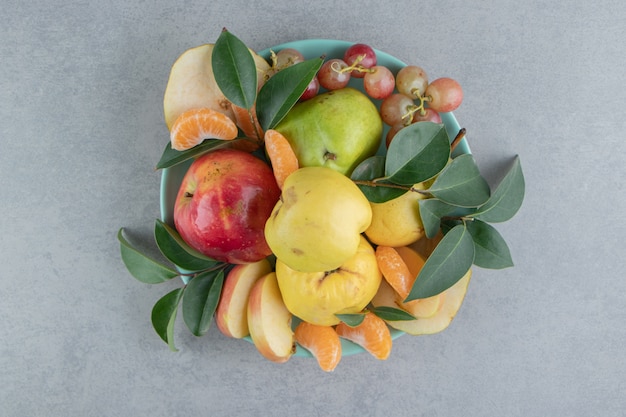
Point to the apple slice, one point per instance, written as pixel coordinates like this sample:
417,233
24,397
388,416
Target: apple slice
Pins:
191,84
451,300
231,315
269,320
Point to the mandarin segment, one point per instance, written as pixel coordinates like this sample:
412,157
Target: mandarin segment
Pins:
282,157
248,122
395,270
322,341
195,125
372,334
421,307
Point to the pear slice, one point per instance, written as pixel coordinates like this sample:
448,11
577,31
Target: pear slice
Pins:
192,84
451,300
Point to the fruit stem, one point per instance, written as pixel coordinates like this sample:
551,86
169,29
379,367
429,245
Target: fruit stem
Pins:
411,110
354,67
457,139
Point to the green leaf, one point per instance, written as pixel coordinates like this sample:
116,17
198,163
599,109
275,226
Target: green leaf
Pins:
491,249
507,198
142,267
417,153
178,251
234,70
431,212
283,90
201,298
450,260
171,157
369,171
351,320
164,316
461,184
392,314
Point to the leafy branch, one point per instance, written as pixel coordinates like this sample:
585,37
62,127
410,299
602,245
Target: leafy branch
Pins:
459,202
203,278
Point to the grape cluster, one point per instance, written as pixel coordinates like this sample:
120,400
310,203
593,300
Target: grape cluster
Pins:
406,97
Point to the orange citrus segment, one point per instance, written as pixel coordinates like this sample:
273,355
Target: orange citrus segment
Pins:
282,157
395,270
372,334
322,341
195,125
248,122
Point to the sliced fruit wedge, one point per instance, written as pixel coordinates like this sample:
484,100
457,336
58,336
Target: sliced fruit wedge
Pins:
269,320
281,155
322,341
195,125
372,334
450,303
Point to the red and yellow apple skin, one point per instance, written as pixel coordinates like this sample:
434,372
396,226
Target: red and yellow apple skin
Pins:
222,205
231,312
269,321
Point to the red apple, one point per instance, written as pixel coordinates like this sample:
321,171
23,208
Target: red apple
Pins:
223,202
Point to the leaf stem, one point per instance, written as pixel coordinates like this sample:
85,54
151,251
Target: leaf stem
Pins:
214,268
374,183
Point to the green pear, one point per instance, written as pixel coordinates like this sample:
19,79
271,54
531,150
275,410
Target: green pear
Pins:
317,223
337,129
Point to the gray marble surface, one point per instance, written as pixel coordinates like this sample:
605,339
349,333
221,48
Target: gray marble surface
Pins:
81,128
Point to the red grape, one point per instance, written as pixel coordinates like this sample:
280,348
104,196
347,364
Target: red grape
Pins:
394,108
392,132
444,95
311,90
429,116
287,57
379,83
331,76
412,81
360,55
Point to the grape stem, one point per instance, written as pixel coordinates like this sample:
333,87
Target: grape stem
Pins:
354,67
411,110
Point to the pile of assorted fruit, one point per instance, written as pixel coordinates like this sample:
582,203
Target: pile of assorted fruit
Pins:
313,209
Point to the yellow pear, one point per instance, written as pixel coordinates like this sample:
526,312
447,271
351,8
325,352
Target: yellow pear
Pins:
397,222
316,224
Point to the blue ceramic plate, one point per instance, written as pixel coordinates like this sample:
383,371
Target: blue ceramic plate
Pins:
311,48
